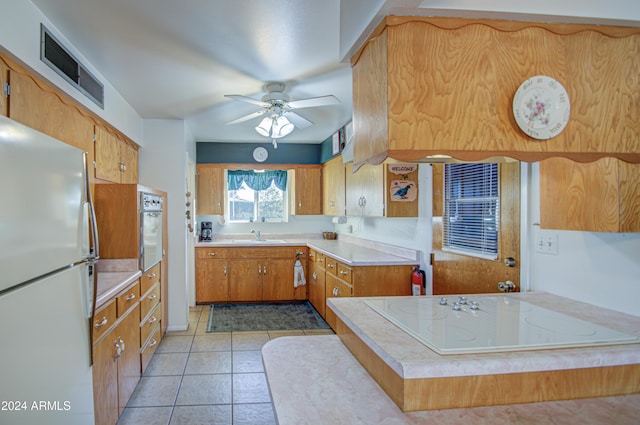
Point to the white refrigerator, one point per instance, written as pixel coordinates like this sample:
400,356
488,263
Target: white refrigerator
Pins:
47,284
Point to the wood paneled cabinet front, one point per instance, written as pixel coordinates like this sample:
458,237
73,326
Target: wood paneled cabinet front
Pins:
4,87
333,187
600,196
307,190
116,161
247,274
116,355
364,191
210,190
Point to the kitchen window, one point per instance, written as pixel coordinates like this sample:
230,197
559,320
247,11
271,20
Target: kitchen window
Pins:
257,196
471,209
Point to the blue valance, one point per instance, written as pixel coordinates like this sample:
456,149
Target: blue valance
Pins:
257,181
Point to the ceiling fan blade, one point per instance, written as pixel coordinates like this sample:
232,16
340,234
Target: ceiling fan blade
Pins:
248,100
247,117
298,120
313,102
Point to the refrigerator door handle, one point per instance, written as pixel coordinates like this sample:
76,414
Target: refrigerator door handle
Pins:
94,249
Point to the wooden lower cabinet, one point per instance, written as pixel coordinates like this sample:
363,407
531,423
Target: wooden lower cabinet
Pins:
247,274
116,367
316,281
126,332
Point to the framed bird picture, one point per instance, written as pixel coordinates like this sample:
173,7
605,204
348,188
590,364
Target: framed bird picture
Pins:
403,189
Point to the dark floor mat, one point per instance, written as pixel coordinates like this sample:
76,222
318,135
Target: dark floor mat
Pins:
265,316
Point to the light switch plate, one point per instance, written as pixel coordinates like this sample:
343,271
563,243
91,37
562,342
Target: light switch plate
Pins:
546,242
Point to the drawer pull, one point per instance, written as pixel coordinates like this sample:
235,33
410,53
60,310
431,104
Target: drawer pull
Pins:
102,322
342,272
153,319
152,296
130,297
330,265
211,254
153,342
151,275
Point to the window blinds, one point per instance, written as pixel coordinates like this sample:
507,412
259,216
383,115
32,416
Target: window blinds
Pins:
471,209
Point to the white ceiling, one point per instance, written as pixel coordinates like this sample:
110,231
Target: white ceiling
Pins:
177,59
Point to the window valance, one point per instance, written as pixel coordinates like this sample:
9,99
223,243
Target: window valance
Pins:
257,180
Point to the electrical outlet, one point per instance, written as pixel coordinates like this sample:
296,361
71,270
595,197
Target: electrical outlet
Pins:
546,242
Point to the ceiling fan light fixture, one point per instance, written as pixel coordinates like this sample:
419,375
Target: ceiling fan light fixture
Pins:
264,128
281,127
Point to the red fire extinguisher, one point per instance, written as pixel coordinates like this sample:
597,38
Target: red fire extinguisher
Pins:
418,282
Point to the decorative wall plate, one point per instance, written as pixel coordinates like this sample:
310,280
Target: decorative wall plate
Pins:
260,154
541,107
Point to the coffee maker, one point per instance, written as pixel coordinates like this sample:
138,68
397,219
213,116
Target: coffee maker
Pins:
206,231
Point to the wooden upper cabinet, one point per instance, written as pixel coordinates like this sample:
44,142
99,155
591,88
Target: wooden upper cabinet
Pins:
308,191
116,160
421,86
364,191
210,196
601,196
333,187
37,106
4,80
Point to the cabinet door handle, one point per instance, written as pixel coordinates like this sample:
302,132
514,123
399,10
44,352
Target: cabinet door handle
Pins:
225,270
264,269
315,276
130,297
335,291
102,322
118,350
121,342
259,269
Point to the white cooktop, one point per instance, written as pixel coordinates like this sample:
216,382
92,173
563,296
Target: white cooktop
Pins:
490,323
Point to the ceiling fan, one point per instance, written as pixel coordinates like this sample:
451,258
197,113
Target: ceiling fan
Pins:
280,120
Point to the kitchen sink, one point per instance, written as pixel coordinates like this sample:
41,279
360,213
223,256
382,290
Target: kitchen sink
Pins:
261,241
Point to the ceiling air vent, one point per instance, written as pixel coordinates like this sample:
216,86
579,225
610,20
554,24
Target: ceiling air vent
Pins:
67,66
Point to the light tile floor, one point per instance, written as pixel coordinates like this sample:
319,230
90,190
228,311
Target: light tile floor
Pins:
200,378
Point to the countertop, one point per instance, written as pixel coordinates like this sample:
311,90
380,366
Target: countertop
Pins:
351,251
411,359
316,380
113,277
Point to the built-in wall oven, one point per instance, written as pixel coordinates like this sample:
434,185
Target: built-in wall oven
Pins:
150,230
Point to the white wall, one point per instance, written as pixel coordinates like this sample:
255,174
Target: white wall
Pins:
597,268
163,166
20,36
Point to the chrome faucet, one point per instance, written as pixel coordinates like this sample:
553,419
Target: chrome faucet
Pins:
257,233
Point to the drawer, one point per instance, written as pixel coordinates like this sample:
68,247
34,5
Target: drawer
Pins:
320,258
128,298
336,288
149,278
103,319
344,272
331,265
150,322
268,252
214,252
150,347
149,300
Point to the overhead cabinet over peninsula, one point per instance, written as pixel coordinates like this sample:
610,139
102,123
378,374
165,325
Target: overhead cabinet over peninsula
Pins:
423,86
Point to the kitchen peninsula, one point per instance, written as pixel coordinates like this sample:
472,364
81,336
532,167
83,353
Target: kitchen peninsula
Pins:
341,372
